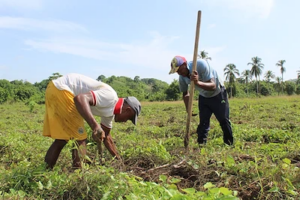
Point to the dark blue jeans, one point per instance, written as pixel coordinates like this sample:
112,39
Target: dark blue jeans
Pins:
219,106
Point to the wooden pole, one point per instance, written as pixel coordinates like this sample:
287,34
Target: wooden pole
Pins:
192,86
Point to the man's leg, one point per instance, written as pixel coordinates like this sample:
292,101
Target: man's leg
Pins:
204,115
53,152
78,153
221,111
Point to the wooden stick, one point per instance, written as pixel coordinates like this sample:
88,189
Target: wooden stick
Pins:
188,123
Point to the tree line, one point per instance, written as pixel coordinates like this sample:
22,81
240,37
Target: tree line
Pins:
243,86
151,89
146,89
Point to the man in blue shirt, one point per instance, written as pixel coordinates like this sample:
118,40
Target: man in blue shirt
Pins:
212,95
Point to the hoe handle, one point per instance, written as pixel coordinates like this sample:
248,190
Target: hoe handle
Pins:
190,105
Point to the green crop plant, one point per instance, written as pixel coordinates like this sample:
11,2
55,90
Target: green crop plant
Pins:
262,164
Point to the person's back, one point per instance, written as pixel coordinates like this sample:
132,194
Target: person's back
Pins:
79,84
105,97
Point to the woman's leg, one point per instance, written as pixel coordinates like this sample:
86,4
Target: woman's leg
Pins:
53,152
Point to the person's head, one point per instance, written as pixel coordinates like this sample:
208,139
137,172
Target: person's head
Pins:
179,65
130,110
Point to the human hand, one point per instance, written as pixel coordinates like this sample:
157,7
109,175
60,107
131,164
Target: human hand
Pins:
98,135
194,76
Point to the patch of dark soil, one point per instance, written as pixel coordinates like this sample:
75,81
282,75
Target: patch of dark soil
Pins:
268,139
251,192
182,170
2,149
171,119
189,176
194,176
242,158
159,124
139,163
295,159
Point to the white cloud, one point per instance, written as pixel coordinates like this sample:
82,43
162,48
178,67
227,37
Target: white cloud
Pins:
67,47
148,54
261,8
33,24
152,56
22,4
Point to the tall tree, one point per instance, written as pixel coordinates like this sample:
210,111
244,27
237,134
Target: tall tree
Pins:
136,79
269,75
172,91
204,55
256,69
230,71
54,76
101,78
246,75
280,64
278,84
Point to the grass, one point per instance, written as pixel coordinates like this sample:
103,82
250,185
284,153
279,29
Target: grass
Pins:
263,164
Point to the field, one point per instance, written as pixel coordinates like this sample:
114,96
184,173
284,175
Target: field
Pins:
263,164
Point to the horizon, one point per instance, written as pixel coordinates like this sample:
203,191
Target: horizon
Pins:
132,78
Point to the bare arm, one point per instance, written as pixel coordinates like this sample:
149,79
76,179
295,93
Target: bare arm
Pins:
82,103
109,143
185,97
207,85
100,133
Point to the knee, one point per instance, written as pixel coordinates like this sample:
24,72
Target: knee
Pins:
203,128
225,122
59,144
81,142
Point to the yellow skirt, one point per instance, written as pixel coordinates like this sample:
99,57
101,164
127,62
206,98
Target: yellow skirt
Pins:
62,120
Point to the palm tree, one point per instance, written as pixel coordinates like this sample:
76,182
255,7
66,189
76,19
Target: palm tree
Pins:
269,75
230,71
246,75
204,55
282,69
256,69
278,84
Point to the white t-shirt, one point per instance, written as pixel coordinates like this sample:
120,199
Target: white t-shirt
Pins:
105,97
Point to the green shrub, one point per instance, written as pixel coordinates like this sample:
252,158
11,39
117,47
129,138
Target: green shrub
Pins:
290,87
3,95
298,89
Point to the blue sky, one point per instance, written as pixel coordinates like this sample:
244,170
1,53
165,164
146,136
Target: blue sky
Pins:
139,38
